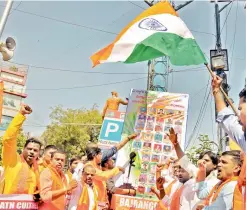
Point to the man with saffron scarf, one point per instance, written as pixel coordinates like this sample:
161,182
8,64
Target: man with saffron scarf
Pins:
89,196
221,196
21,174
209,158
94,157
182,194
46,159
72,166
236,128
53,184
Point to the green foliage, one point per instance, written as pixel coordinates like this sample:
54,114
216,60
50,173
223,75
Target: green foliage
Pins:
67,132
205,145
21,140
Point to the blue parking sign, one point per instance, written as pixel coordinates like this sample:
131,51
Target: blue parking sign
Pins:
111,130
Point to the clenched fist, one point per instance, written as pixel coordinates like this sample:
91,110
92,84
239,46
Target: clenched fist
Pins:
25,109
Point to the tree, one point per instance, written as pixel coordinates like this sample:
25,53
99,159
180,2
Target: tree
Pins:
21,140
69,129
205,145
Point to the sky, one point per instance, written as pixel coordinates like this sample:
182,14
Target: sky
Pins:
63,45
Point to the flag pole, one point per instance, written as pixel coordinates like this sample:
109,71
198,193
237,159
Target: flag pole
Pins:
223,92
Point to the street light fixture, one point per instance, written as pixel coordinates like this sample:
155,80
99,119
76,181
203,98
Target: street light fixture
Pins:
219,60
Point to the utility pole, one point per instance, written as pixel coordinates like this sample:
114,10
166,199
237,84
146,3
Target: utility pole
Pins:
223,139
159,69
5,16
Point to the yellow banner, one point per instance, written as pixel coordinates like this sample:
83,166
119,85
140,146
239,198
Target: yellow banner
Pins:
122,202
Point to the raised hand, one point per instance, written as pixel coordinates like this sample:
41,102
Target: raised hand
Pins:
25,109
173,136
160,182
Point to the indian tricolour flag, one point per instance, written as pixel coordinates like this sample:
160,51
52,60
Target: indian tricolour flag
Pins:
156,32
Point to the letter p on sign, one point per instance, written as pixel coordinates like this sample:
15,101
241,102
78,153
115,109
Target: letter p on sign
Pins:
111,128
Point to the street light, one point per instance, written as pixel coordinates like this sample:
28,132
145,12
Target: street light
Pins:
219,60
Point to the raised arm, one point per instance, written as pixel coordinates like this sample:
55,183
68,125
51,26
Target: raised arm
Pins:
126,140
218,96
105,175
9,150
123,102
174,139
185,163
226,117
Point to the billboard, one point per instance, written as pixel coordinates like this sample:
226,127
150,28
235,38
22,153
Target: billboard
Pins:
151,114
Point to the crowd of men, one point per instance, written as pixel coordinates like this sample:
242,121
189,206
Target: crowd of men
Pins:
217,182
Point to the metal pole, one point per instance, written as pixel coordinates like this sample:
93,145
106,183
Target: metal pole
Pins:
5,16
217,20
182,5
149,75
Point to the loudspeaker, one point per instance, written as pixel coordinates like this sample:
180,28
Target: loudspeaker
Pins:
7,48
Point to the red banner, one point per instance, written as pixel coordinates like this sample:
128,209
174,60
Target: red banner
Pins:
17,202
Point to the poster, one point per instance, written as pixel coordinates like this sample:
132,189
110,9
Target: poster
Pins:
111,129
151,115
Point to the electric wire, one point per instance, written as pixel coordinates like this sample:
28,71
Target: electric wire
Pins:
199,116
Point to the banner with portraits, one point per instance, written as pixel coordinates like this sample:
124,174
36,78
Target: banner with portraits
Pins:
151,114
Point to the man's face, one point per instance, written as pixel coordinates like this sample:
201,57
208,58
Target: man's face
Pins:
74,165
47,155
110,163
31,152
209,164
227,168
175,167
183,176
242,116
88,175
84,159
98,158
58,161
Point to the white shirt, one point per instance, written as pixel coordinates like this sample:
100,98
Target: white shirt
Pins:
188,198
168,178
202,188
231,126
91,197
76,193
224,201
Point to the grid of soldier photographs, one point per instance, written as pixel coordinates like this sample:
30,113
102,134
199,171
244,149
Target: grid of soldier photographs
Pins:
153,143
